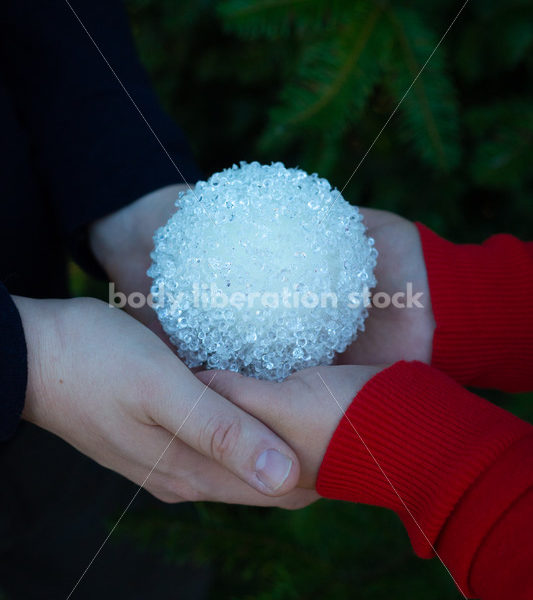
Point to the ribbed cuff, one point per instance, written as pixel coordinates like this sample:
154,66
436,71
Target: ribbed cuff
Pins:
414,441
482,299
13,366
487,542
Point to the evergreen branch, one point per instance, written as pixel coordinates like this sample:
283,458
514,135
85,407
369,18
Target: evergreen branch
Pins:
238,9
335,86
275,18
420,91
333,79
431,113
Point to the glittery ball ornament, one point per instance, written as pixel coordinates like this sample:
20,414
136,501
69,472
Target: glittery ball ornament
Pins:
263,270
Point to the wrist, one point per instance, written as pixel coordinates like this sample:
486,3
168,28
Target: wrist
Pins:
40,323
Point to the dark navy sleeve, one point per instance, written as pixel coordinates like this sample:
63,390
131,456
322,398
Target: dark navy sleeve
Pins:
13,365
93,151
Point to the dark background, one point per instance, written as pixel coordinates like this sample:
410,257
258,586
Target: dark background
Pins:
311,83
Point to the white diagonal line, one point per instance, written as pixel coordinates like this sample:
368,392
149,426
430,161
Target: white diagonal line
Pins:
136,106
139,489
394,111
390,483
206,387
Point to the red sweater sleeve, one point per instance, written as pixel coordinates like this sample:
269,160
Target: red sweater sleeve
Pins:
482,299
457,469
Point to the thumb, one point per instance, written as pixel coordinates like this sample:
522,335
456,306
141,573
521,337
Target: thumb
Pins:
220,430
265,400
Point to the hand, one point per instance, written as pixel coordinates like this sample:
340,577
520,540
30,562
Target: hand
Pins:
304,409
111,388
122,242
391,333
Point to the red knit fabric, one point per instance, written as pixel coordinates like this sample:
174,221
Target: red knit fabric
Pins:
432,439
457,469
482,299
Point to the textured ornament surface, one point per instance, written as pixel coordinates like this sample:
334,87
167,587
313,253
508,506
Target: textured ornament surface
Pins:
238,269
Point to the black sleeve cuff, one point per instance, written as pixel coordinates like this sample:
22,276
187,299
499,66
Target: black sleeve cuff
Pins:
13,366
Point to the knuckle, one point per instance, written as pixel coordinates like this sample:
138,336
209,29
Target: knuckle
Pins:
298,499
147,392
150,394
171,491
193,495
294,504
221,436
164,495
167,498
185,491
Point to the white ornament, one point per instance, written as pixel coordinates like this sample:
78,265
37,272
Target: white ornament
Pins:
260,271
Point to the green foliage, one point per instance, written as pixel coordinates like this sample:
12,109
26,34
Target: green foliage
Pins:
279,18
335,75
502,158
328,550
373,45
431,119
312,82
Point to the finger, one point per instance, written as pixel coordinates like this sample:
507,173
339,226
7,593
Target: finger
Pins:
373,217
220,430
258,397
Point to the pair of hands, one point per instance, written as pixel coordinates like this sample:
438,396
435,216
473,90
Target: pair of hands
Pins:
109,385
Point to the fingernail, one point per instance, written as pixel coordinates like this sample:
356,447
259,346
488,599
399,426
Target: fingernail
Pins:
272,468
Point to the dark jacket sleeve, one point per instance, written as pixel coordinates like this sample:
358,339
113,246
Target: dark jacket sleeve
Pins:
13,365
93,151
